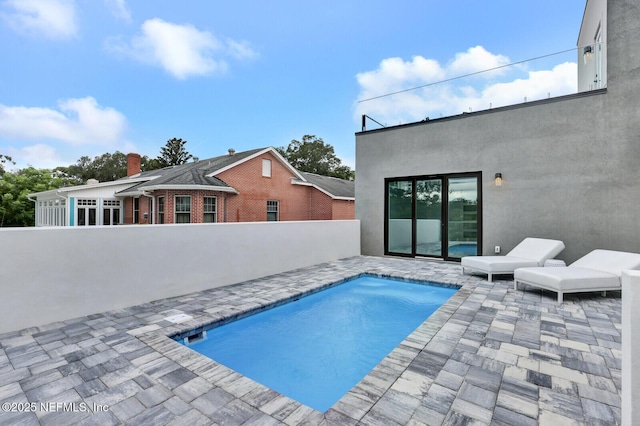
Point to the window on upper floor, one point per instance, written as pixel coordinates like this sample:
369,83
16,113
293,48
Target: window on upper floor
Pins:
266,168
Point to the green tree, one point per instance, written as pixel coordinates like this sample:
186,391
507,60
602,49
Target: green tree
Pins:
312,155
147,163
3,160
15,207
173,153
105,168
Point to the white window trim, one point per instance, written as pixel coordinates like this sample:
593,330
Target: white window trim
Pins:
175,210
161,197
111,205
51,212
87,204
136,212
215,210
266,167
277,211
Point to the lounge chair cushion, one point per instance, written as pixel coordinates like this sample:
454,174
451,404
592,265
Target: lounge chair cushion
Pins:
597,270
530,252
496,264
610,261
567,279
538,249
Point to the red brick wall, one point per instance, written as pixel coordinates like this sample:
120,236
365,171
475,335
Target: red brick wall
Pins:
343,210
128,210
250,205
144,207
319,205
197,204
133,164
296,202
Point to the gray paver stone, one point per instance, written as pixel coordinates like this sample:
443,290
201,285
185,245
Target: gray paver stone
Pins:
212,401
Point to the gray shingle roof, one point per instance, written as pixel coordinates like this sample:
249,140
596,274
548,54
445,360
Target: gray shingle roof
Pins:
334,186
195,173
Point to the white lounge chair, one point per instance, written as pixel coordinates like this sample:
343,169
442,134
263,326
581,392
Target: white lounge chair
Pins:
599,270
530,252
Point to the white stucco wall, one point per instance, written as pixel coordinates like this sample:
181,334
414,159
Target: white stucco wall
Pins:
630,345
53,274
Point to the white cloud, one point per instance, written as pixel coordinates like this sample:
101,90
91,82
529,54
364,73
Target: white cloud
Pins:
561,80
475,59
394,74
54,19
40,156
240,49
77,122
119,9
434,99
182,50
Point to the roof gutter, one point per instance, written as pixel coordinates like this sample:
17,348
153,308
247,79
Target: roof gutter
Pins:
123,181
333,197
55,192
148,189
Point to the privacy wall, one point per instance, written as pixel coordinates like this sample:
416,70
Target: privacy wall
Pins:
54,274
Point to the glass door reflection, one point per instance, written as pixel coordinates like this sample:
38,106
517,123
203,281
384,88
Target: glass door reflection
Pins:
429,217
399,225
462,217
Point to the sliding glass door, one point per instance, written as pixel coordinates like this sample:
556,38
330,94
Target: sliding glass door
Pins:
435,216
428,217
399,222
462,217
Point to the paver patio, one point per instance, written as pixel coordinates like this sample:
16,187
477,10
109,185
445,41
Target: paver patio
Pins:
490,355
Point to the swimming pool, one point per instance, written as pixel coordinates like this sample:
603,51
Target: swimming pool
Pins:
461,250
318,347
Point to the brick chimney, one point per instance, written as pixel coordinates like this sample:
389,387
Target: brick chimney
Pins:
133,164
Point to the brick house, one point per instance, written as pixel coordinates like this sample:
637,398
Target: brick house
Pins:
249,186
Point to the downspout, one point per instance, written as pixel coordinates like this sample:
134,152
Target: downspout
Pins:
224,210
35,208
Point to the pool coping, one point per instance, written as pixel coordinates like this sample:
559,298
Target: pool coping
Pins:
356,403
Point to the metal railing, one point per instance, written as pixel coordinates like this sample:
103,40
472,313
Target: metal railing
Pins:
500,86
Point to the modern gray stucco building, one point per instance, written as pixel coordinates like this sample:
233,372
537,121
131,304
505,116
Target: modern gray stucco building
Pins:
570,166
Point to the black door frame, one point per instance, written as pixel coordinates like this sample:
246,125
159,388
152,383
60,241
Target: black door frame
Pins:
444,178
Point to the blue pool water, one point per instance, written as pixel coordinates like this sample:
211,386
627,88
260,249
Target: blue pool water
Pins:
463,250
316,348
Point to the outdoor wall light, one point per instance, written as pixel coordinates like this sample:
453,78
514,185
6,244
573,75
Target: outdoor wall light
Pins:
498,179
586,53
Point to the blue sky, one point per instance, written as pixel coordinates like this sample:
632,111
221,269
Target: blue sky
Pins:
85,77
